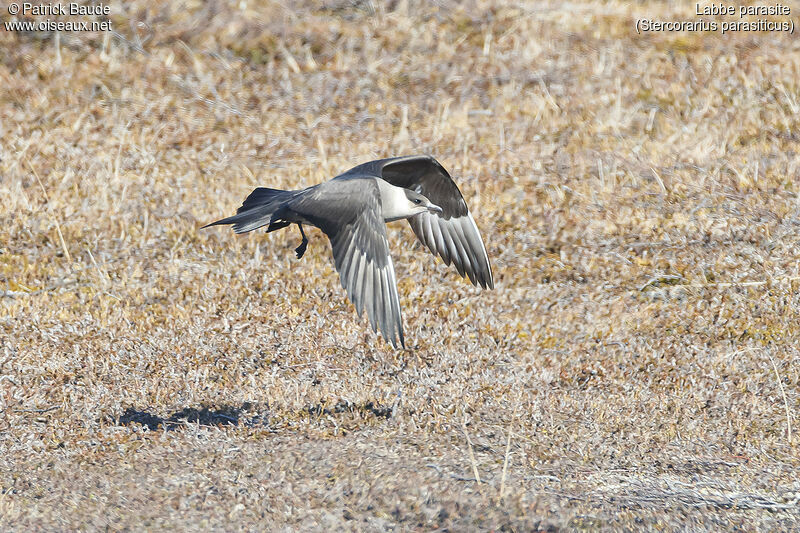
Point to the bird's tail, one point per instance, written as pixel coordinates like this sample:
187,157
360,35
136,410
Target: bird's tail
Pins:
257,209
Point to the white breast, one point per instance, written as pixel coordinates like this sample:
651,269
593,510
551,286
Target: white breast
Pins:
394,201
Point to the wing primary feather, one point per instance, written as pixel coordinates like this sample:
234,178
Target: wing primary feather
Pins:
338,257
352,271
358,280
480,248
369,293
431,241
398,316
464,248
394,306
380,303
388,305
474,246
347,264
452,247
461,244
389,311
441,247
480,260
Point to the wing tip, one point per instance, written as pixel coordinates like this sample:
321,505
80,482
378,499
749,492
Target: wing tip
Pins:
402,340
488,278
216,223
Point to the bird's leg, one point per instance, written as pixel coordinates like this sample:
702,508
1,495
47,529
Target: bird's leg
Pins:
300,250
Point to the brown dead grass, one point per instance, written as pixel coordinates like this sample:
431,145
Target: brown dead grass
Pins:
638,196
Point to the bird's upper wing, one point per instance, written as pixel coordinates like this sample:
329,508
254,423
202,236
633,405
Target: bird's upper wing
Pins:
349,213
452,234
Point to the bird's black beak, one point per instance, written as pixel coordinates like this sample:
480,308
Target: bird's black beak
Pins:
434,208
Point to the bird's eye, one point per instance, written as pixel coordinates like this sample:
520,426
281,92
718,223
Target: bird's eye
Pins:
417,201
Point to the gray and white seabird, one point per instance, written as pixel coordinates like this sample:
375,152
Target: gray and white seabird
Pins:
351,210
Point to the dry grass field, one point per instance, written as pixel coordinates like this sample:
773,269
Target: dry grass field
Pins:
636,367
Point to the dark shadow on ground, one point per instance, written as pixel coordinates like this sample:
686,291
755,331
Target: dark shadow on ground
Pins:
206,416
247,415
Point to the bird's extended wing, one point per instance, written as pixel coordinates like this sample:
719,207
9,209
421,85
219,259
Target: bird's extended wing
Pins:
348,212
452,234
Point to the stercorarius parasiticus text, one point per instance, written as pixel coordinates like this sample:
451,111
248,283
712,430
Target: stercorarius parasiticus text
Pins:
351,210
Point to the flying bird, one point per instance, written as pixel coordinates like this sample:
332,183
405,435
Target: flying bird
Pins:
352,208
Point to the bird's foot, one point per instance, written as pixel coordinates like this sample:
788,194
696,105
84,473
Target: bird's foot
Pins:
300,250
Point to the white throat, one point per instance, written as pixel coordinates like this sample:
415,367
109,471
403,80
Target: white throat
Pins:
394,202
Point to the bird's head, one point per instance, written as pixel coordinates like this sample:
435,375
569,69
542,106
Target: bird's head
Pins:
417,203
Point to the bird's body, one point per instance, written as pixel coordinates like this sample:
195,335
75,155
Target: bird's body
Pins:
351,210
